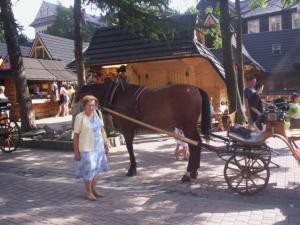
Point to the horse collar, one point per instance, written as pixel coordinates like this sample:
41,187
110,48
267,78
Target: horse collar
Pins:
111,92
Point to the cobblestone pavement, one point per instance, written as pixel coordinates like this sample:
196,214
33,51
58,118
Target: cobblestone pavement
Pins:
38,187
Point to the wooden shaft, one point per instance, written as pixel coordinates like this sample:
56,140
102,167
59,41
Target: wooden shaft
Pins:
172,134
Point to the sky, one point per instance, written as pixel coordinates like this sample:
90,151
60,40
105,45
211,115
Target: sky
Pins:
26,10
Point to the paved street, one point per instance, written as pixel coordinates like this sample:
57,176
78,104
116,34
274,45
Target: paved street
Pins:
38,187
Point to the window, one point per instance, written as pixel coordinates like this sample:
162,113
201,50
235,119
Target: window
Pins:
253,26
296,20
276,48
275,23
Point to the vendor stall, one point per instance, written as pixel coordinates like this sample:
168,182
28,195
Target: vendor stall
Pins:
40,75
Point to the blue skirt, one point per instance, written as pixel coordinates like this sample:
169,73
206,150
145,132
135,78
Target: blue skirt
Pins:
94,162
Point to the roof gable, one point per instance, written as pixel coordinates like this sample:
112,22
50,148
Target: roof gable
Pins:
57,47
47,13
46,9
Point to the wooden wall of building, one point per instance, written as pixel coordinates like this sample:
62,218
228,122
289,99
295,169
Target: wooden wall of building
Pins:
196,71
41,110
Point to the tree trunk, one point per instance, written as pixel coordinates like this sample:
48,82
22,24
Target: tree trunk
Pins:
17,67
239,51
231,80
240,62
78,43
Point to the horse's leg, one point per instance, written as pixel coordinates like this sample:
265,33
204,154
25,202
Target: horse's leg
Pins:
195,153
129,135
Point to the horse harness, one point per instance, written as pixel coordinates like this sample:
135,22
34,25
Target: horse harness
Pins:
112,89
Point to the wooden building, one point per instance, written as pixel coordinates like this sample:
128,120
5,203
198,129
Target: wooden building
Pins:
40,74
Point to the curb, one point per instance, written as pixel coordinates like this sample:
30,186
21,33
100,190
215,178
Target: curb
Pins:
47,144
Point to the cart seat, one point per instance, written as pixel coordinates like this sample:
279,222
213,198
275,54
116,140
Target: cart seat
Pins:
255,139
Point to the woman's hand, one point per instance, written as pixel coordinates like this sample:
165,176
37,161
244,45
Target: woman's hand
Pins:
107,147
77,156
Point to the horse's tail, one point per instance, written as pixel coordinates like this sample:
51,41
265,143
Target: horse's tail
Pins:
206,114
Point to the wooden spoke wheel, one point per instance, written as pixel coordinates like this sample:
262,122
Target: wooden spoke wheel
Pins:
10,135
246,173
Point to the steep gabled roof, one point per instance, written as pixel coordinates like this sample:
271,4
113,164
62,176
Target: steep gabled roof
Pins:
112,45
58,47
3,50
53,7
260,45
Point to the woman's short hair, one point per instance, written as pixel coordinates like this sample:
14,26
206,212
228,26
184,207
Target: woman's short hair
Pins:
89,98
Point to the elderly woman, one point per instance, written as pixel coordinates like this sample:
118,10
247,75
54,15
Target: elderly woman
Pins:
90,146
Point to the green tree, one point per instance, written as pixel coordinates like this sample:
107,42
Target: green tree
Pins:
24,40
63,25
17,67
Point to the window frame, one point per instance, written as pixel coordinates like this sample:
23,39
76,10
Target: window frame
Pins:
257,25
276,49
280,23
295,16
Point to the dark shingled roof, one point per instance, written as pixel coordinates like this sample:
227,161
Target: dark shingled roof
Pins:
112,45
3,50
260,47
42,69
58,47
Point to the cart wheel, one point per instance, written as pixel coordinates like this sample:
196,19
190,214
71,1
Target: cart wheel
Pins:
10,135
246,173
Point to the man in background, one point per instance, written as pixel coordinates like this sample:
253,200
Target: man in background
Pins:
248,92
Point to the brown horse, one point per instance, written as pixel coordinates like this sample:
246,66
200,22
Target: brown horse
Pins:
181,106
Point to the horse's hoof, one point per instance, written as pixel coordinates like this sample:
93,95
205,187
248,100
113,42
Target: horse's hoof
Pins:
131,173
185,178
194,174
